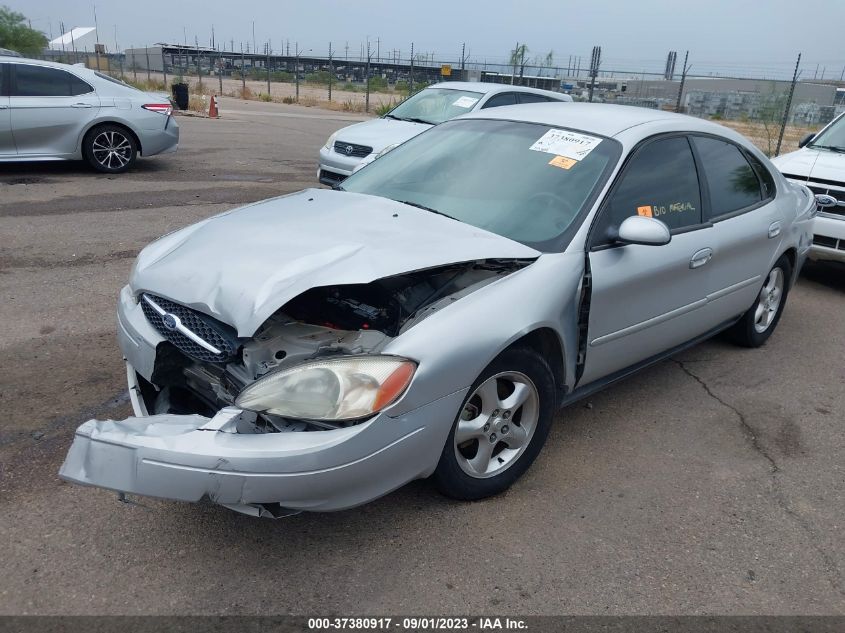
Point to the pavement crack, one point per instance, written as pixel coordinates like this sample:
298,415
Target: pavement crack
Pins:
834,575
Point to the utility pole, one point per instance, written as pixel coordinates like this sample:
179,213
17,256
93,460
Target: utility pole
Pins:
683,81
254,50
788,104
463,61
595,62
243,73
331,72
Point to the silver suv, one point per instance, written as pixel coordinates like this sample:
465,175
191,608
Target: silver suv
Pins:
51,111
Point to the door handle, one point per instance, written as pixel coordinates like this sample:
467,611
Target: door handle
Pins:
774,229
81,105
3,107
701,257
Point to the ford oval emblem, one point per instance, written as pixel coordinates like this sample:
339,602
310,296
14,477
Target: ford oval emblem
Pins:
170,321
349,149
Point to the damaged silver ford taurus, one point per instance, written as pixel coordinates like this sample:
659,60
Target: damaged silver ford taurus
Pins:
318,350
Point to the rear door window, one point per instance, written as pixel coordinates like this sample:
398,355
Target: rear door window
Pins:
4,80
660,181
528,97
503,99
731,182
40,81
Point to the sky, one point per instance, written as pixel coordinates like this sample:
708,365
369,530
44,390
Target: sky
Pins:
742,37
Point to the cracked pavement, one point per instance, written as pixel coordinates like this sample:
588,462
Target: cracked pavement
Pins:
710,483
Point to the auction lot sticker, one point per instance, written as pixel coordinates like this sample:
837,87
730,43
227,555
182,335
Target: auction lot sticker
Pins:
567,144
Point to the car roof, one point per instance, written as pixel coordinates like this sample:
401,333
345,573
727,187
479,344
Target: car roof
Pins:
604,119
490,88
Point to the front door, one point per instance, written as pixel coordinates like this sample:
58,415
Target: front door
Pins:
648,299
49,109
7,142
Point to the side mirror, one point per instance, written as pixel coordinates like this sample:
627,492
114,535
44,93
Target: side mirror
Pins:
638,229
806,139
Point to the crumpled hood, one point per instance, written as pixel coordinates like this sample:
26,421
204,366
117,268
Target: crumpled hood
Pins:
243,265
379,133
813,164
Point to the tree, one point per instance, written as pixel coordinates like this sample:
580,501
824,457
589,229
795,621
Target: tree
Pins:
16,35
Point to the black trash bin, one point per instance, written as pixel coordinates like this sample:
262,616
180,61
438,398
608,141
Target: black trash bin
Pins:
180,95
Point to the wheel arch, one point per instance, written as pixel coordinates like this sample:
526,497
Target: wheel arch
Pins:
791,254
120,124
546,342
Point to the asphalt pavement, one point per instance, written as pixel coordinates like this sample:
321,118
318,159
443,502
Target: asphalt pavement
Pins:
710,483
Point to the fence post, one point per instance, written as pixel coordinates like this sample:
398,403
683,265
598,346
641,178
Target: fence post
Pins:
331,72
788,105
243,73
268,70
367,98
147,51
683,81
411,79
199,70
220,70
164,67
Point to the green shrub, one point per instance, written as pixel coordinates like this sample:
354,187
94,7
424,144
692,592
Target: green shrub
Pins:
320,77
264,97
282,76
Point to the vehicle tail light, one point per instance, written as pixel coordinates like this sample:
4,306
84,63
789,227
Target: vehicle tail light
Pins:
162,108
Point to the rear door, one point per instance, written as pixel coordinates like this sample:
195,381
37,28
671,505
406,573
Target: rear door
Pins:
49,109
7,143
740,203
648,299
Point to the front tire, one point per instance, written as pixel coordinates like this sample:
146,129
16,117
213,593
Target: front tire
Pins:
757,324
502,425
110,149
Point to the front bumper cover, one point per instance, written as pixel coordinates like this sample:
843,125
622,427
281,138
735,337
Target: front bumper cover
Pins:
191,457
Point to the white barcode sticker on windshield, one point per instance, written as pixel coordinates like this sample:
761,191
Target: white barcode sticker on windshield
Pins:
569,144
465,102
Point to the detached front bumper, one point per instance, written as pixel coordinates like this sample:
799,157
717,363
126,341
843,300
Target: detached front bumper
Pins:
191,457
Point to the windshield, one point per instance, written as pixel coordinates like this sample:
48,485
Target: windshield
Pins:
833,136
435,105
525,181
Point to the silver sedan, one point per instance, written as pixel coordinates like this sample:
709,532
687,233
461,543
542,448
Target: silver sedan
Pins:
51,111
318,350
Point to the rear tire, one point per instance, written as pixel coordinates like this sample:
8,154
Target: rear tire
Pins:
502,425
757,324
110,149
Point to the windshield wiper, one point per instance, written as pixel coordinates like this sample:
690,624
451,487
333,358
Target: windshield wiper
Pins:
393,116
425,208
832,148
409,119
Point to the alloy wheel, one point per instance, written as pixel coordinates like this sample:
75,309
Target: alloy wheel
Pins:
497,424
111,149
769,301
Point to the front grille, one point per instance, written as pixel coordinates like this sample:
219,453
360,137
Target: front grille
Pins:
351,149
839,194
210,330
829,242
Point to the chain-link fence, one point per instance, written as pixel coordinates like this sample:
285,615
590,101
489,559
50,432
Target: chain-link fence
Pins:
770,111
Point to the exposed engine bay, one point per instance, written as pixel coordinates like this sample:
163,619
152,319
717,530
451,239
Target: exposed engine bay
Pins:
321,322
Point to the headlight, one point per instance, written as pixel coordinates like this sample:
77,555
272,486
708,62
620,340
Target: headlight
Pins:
334,389
330,143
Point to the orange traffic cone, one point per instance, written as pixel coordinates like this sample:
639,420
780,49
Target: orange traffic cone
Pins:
212,108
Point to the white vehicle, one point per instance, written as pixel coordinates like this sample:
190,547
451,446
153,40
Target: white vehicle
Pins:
820,164
359,144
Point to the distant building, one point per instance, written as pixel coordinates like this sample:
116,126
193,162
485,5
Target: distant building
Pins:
80,39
